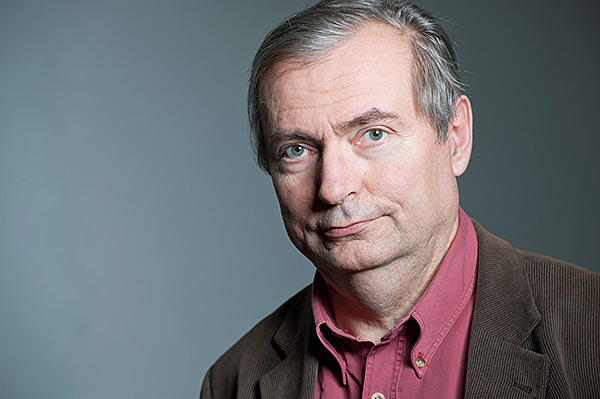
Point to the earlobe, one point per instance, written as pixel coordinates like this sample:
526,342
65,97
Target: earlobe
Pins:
460,132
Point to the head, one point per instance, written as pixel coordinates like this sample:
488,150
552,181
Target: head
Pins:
309,36
362,143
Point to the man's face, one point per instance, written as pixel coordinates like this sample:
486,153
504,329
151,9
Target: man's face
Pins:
360,178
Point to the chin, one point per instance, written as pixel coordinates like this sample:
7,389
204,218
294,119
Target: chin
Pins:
356,259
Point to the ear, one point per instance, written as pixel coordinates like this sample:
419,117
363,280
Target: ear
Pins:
460,135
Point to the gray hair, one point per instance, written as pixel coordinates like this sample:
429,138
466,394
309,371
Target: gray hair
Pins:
311,34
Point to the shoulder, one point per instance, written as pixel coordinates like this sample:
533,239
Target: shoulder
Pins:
258,351
541,270
562,290
556,285
563,274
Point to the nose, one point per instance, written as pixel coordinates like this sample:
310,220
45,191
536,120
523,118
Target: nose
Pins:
339,176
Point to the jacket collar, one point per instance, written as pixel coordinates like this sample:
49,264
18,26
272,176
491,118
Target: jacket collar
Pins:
504,317
296,375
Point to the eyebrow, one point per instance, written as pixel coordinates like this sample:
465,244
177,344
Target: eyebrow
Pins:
368,117
276,137
371,116
279,135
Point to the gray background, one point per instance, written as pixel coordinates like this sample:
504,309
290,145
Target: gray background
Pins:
138,240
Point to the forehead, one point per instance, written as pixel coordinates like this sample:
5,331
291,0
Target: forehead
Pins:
373,68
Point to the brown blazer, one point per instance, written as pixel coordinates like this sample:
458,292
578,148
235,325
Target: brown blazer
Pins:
535,334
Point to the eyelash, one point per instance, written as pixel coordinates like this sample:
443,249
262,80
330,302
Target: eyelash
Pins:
283,152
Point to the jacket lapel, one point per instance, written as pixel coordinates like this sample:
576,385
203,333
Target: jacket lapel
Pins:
505,315
296,375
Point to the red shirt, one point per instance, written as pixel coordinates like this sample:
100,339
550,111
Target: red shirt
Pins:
425,355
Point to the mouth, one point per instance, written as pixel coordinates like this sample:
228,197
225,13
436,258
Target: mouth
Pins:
347,230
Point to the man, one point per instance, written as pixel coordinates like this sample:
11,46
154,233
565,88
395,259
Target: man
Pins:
360,119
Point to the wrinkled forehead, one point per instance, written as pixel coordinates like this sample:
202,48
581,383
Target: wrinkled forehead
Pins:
275,81
376,56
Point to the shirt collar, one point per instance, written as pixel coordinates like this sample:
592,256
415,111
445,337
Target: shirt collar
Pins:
447,295
324,320
436,311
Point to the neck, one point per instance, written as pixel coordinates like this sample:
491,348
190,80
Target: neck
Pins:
370,303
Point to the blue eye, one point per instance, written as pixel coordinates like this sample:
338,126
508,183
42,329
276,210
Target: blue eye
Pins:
375,135
295,151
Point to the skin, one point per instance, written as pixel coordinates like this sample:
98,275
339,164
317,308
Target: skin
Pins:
365,190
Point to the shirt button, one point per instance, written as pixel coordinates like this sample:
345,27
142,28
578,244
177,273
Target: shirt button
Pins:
420,362
377,395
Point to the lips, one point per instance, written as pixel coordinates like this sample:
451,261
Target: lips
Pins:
347,230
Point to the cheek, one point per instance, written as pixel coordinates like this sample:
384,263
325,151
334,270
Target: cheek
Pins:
294,197
391,178
410,181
